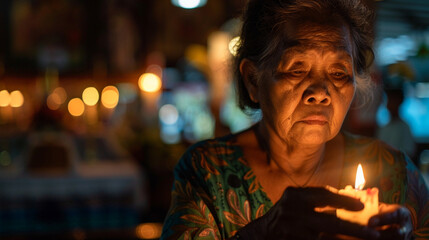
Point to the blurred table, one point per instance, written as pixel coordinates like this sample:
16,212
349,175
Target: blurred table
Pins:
40,195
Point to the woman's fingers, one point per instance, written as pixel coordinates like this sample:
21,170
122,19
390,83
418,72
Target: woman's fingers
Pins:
395,220
393,233
392,214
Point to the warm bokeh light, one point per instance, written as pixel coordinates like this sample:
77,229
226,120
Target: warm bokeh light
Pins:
149,82
56,98
149,230
196,54
53,101
4,98
90,96
155,69
61,93
16,99
76,107
360,179
168,114
110,97
233,45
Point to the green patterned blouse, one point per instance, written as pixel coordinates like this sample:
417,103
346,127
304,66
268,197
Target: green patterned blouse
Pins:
215,193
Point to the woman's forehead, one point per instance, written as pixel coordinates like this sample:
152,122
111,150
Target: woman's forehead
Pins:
303,48
301,54
318,32
309,35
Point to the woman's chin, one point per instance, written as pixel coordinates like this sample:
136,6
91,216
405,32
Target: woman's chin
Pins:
313,138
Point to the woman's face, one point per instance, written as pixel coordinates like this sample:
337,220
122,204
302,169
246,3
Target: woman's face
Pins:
308,97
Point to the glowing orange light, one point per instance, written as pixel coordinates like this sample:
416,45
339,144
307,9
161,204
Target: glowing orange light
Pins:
149,82
155,69
16,99
4,98
61,93
56,98
233,45
149,230
53,101
90,96
360,179
110,97
76,107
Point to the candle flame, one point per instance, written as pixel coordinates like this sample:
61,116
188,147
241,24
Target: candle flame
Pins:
360,179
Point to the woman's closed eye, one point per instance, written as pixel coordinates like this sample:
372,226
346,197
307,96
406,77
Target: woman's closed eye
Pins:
297,73
293,74
339,75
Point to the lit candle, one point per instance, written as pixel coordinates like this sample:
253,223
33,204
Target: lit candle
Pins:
368,197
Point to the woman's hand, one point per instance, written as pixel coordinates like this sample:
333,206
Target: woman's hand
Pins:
294,217
394,222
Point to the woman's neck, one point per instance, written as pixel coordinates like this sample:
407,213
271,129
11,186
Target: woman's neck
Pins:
287,156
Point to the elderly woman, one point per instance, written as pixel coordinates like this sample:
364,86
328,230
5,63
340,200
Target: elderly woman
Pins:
301,62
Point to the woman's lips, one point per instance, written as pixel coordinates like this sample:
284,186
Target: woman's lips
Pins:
315,120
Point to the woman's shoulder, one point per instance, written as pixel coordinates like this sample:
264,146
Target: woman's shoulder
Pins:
213,144
383,165
211,156
216,148
370,148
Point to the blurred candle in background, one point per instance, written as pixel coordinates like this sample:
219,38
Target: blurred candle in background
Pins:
90,97
16,99
76,107
150,85
109,100
56,98
6,114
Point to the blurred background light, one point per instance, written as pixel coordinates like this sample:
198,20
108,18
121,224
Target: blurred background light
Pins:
232,116
233,45
149,230
155,69
415,112
4,98
170,134
76,107
53,101
61,93
422,90
127,92
383,116
149,82
391,50
56,98
90,96
16,99
168,114
189,4
110,97
5,159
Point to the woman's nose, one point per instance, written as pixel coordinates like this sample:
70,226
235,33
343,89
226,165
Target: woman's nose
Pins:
317,94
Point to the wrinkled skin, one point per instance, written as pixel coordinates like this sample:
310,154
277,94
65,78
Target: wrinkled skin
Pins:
304,105
294,217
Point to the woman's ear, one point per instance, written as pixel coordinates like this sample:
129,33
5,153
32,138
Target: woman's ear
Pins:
248,72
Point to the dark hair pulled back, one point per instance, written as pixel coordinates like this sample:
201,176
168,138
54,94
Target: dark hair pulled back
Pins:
263,38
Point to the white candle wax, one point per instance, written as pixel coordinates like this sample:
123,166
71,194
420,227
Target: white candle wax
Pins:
368,197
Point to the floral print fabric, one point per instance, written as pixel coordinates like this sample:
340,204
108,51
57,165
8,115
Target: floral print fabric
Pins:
215,193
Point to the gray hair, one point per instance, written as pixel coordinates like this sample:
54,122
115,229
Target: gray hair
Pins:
263,38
